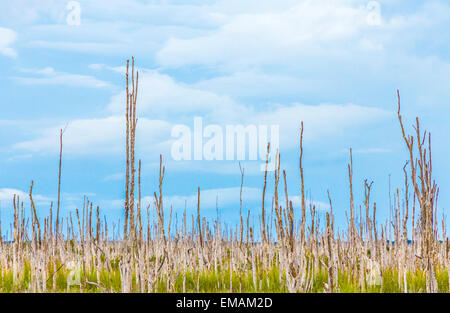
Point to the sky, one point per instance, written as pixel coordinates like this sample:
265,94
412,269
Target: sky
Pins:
335,65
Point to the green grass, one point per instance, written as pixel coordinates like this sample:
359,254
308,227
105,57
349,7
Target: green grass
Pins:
268,281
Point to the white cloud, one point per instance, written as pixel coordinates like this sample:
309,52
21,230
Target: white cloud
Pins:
229,198
113,177
297,203
260,38
321,122
210,167
160,95
7,195
310,30
99,67
20,157
208,197
32,11
368,151
259,84
81,46
169,101
48,76
97,136
7,38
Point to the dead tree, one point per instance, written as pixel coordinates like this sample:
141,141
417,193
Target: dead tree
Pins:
426,191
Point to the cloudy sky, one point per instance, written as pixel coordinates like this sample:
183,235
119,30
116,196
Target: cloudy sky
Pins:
335,65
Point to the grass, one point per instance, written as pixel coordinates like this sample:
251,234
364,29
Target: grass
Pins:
269,281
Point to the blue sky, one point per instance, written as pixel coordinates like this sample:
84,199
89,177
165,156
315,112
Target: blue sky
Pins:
231,62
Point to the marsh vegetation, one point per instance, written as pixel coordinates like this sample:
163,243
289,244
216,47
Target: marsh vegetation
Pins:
82,253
